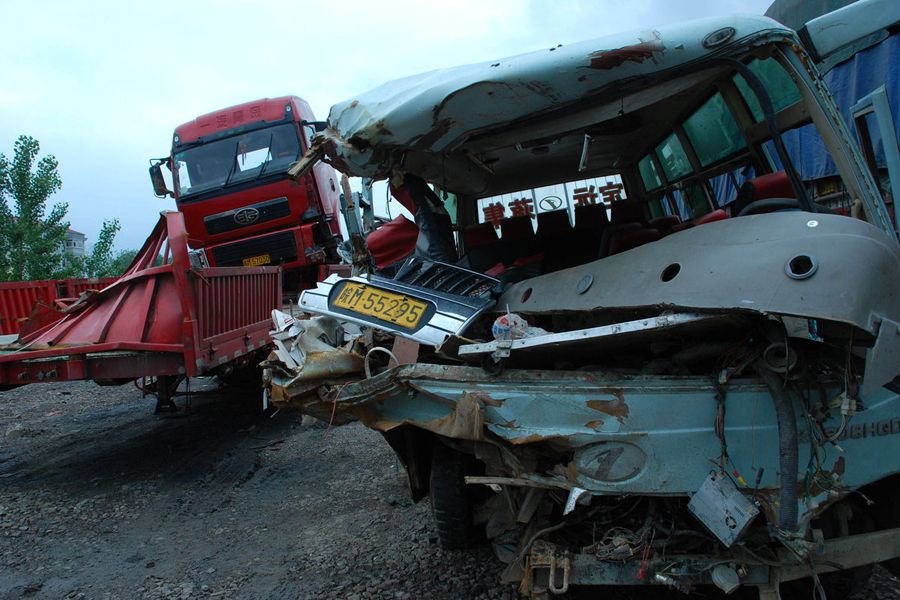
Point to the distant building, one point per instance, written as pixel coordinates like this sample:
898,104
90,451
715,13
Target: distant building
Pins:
75,242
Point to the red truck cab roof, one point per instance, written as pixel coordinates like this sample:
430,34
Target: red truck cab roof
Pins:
268,110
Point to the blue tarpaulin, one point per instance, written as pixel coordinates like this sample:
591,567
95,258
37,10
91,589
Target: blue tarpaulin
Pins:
848,82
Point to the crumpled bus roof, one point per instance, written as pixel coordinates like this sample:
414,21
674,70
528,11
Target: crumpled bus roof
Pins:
435,112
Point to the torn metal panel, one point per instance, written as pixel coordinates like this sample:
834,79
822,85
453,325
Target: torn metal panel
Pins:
308,354
311,349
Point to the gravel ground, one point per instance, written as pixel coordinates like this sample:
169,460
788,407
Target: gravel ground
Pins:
99,498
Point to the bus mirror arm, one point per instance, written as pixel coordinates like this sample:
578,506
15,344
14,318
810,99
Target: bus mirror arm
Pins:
160,190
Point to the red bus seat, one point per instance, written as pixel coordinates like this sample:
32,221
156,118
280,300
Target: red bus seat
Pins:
665,224
716,215
771,185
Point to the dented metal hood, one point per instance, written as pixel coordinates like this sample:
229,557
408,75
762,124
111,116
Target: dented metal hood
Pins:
435,112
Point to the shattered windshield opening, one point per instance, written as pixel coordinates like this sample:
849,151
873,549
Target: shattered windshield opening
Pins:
236,159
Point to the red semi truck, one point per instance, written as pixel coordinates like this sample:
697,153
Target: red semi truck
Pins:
229,170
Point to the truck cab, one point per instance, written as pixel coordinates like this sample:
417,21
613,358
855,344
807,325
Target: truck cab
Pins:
229,170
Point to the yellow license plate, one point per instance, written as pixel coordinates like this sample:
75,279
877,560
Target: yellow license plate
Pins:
256,261
387,306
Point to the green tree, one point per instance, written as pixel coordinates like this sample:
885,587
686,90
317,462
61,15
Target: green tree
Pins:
101,262
121,262
31,238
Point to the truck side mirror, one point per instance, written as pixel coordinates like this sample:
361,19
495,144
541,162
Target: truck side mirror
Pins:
159,183
317,126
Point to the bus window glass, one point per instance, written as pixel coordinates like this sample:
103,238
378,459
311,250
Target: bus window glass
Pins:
725,186
674,161
656,209
779,84
713,132
690,201
648,173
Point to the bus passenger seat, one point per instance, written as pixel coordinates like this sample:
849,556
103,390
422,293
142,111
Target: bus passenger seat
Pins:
517,242
482,247
614,231
716,215
627,211
590,223
771,185
554,234
626,239
665,224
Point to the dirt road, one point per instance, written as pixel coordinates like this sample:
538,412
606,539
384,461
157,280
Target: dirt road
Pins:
99,498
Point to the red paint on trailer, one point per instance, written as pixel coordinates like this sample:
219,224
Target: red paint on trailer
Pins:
165,315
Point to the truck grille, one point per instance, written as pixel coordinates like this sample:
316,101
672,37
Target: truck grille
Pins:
280,247
246,216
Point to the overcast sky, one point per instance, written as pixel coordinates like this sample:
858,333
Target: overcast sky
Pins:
102,85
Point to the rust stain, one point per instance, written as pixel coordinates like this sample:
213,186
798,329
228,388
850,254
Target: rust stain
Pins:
540,88
438,130
614,408
767,501
839,466
595,425
528,439
466,422
637,53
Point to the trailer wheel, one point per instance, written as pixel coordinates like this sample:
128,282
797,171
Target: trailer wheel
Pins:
451,503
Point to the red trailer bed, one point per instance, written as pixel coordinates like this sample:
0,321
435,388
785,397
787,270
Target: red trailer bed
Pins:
162,318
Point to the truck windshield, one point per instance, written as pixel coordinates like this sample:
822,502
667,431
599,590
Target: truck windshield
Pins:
236,159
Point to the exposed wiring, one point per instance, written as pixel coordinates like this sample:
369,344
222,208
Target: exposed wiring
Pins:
378,349
333,411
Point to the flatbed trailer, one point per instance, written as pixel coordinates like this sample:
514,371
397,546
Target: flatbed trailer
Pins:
163,319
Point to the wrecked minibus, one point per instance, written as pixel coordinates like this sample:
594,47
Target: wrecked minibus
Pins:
693,385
